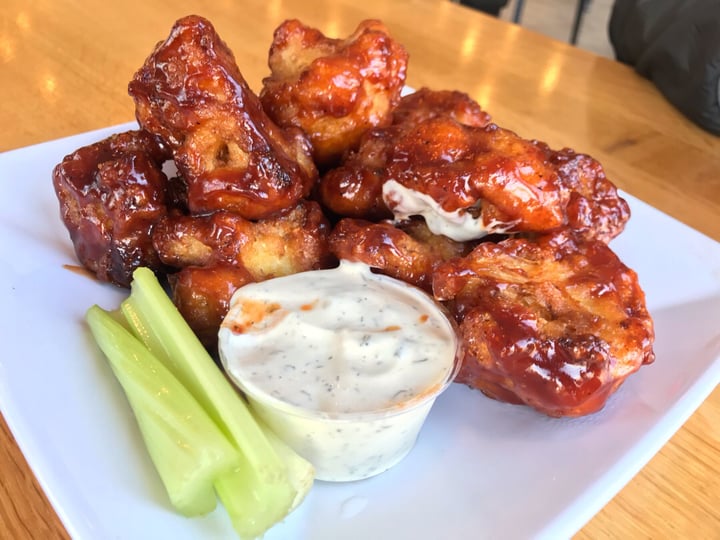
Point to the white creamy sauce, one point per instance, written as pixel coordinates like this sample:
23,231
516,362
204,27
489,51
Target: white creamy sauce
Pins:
459,225
337,341
330,358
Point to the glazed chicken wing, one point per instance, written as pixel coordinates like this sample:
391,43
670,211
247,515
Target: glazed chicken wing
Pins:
218,253
355,189
191,94
292,242
555,324
443,159
111,195
466,181
202,296
595,210
334,89
425,104
408,251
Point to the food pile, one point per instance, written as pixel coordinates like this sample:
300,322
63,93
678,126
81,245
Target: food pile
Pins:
330,162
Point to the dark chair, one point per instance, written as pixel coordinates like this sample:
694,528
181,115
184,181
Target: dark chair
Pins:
580,11
492,7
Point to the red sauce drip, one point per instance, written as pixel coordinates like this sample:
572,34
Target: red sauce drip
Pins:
80,270
253,312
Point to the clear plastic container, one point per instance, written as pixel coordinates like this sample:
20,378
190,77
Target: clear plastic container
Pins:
367,425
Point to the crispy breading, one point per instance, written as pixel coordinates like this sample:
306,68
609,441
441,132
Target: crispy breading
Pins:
292,242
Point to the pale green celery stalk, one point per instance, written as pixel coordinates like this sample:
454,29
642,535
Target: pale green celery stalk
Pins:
261,492
188,449
242,501
301,473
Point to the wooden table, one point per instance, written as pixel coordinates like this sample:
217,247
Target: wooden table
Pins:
64,69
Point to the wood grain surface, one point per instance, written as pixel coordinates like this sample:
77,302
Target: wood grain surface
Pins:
64,69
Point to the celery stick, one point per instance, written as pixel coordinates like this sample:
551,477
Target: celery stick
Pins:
249,514
301,473
234,494
157,323
260,493
186,446
237,498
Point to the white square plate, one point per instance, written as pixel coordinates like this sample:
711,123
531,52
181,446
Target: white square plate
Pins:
480,468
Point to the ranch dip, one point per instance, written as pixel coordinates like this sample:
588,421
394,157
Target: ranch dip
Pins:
460,225
343,364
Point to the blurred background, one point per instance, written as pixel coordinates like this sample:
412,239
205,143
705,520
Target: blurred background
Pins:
555,18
